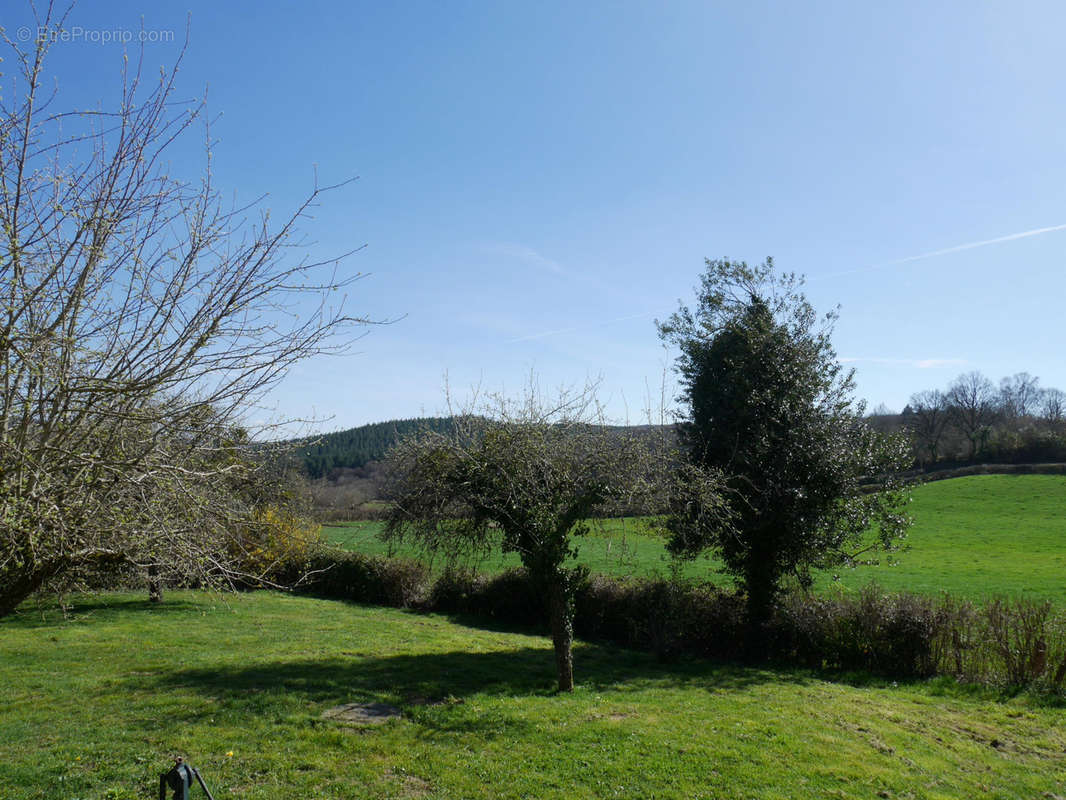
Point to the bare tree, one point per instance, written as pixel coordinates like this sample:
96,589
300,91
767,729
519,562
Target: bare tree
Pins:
1019,396
972,399
1053,406
927,421
141,318
523,477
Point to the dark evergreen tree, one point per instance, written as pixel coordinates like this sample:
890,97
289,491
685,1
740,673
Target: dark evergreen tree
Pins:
768,405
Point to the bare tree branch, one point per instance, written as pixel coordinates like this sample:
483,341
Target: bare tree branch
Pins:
140,319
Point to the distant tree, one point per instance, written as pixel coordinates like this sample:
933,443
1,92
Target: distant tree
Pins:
1053,406
927,421
767,404
1019,396
521,477
141,318
973,408
883,419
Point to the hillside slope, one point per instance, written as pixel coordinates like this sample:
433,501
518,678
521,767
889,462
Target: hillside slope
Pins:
356,447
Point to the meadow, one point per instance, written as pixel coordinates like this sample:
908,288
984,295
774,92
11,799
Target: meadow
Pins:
98,698
96,703
973,537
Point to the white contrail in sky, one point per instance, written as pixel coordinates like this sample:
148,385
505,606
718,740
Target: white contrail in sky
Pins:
525,255
532,256
957,248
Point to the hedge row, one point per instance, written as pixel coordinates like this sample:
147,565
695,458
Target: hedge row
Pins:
1006,643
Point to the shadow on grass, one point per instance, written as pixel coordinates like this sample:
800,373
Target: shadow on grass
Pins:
423,681
48,614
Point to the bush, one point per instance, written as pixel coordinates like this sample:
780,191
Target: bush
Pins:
1008,644
667,617
342,575
455,591
1030,445
1025,643
272,539
510,597
891,635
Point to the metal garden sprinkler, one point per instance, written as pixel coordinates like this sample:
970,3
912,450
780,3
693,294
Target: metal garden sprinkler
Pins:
180,780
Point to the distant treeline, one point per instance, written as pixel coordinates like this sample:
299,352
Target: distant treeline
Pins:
353,449
974,420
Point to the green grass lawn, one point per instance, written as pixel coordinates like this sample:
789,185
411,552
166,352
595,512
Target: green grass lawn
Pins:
94,706
613,547
973,537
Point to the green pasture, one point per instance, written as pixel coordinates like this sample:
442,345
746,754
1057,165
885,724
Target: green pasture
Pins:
95,704
613,547
973,537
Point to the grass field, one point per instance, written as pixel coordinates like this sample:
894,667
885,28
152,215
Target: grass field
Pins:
94,706
972,536
613,547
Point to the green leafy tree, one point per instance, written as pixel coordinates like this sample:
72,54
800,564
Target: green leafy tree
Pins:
767,404
522,478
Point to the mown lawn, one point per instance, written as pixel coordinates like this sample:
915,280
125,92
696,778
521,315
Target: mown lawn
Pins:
94,706
973,537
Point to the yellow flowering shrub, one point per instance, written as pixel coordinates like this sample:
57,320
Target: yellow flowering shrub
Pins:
275,537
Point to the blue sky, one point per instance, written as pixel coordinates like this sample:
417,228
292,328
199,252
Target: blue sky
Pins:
539,181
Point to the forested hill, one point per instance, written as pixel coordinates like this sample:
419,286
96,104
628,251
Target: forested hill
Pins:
357,447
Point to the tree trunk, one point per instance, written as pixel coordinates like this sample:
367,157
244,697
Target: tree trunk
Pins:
18,584
758,615
760,588
561,612
155,585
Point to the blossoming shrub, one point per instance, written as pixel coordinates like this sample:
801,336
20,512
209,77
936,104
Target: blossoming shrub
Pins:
273,540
